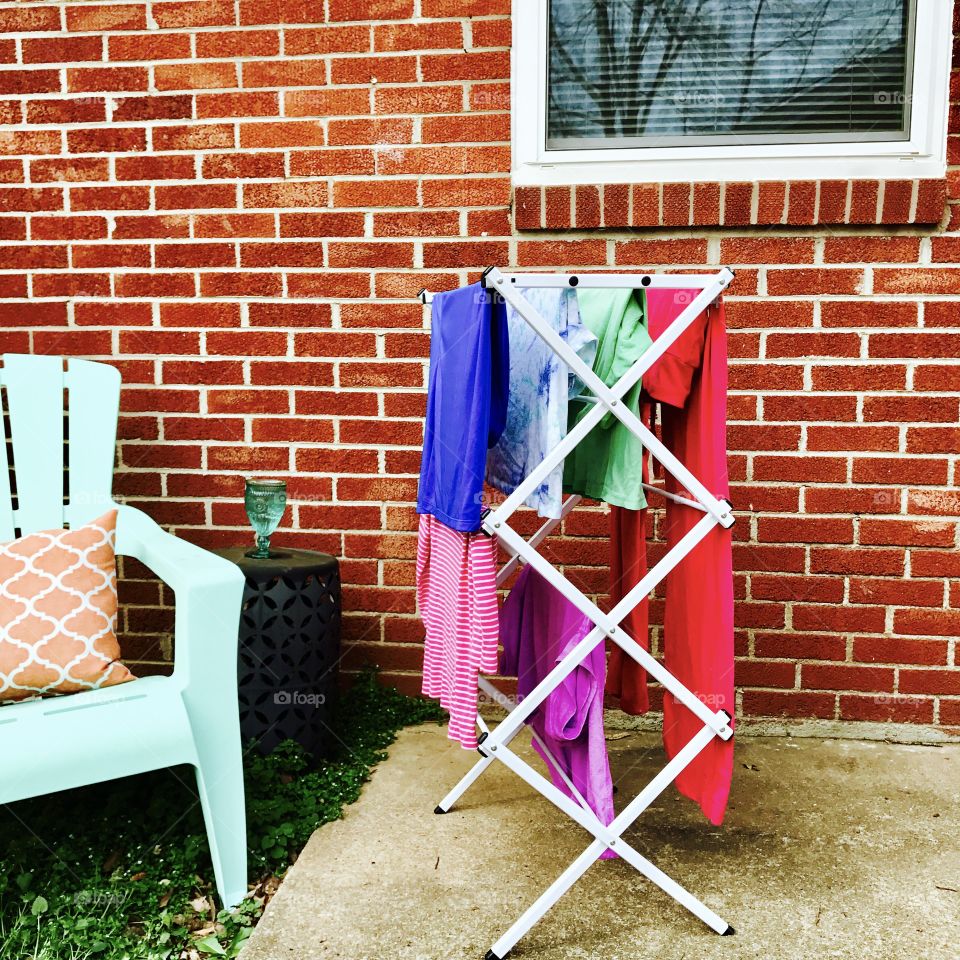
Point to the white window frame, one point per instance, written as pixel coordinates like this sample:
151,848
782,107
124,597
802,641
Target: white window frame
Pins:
922,156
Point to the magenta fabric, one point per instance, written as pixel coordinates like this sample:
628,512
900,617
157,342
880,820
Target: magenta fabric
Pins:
698,615
538,627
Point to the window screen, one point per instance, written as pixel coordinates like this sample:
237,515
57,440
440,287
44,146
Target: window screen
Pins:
636,73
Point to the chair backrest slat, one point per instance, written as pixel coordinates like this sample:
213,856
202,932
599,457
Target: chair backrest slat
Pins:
35,401
34,388
6,497
93,392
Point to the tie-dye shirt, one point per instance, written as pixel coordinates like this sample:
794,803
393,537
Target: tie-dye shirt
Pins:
540,386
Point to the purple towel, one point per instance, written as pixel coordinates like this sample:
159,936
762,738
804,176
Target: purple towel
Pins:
538,626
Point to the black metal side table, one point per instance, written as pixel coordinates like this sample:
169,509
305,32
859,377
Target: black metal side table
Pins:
289,648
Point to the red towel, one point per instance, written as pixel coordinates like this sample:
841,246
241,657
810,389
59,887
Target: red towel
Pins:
690,380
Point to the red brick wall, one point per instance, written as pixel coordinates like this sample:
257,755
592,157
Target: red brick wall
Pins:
235,202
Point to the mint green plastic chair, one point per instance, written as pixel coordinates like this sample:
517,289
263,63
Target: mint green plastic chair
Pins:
149,723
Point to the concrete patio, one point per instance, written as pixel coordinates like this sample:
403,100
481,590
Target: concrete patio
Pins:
831,848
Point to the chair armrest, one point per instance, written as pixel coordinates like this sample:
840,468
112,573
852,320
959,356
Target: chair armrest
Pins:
208,590
182,565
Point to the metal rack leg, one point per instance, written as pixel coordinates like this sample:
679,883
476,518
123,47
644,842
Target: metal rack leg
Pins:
463,786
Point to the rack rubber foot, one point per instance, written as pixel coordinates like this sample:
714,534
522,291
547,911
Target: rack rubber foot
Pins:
729,932
490,955
439,810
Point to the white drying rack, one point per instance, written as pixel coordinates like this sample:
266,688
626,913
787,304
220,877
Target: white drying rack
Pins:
494,743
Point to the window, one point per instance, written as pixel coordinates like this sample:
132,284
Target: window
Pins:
632,90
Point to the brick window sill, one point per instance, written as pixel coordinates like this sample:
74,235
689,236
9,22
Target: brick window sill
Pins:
770,203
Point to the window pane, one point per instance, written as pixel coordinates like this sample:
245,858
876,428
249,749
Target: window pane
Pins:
683,72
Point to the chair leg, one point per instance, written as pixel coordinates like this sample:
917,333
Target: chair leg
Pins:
220,783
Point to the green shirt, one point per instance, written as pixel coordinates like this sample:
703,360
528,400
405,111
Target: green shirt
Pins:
607,463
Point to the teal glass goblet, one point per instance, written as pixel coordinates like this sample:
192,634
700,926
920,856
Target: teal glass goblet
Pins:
265,501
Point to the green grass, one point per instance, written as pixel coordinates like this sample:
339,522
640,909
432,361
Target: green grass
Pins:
121,871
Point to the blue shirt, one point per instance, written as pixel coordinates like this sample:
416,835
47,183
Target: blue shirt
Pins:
466,403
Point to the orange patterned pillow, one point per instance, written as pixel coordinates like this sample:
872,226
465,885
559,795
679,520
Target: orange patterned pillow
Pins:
58,612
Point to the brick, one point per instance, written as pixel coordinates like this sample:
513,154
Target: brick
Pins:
376,193
897,195
553,252
920,280
936,377
470,253
899,650
207,75
737,202
764,250
480,192
209,136
872,561
771,202
493,65
833,201
94,79
375,131
650,252
110,255
843,677
849,249
706,204
886,708
19,142
866,313
197,314
899,470
807,407
30,19
242,284
863,201
325,103
233,225
804,530
930,681
108,17
801,202
155,167
107,140
238,43
931,201
813,345
195,197
914,345
20,82
675,205
851,500
238,166
777,703
804,646
835,438
862,376
420,99
938,623
815,281
247,104
149,46
910,409
194,13
61,49
428,223
373,10
178,107
285,195
325,163
109,198
328,224
418,36
71,284
785,469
